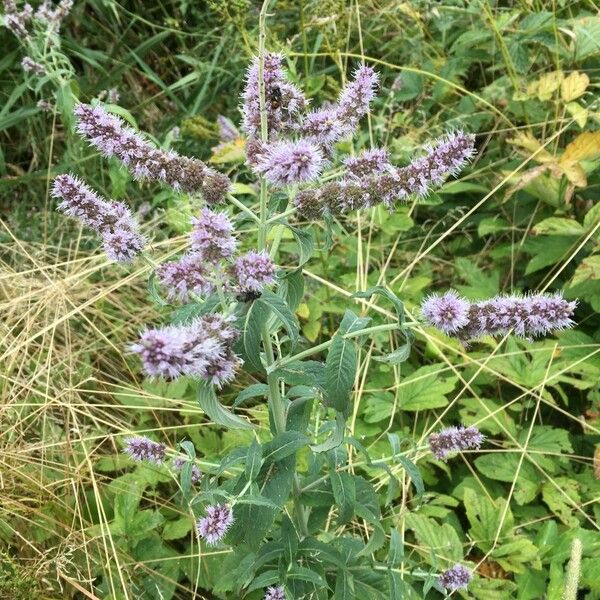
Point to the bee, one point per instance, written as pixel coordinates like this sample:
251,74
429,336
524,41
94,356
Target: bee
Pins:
275,98
249,296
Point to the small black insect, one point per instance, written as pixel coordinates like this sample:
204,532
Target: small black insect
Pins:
248,296
275,98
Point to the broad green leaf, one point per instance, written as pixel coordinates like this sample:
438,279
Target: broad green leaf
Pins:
174,530
256,390
305,238
426,388
505,467
250,343
562,496
439,539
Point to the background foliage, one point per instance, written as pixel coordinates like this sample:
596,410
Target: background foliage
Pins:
524,216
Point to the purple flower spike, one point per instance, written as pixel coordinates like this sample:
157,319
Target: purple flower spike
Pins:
454,439
253,271
448,312
323,127
227,130
16,20
188,275
527,316
356,97
112,220
213,527
368,163
31,66
178,464
275,593
201,349
283,100
445,157
144,449
285,162
112,137
212,236
387,184
122,245
455,578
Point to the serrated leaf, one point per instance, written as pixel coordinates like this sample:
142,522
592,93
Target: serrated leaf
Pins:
208,402
574,85
305,238
344,492
558,225
174,530
586,146
441,539
335,439
340,371
386,293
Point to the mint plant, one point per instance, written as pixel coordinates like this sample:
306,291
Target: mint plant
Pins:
233,311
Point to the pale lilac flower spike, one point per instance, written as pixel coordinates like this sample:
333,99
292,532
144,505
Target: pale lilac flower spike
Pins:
212,236
213,527
448,312
454,439
253,271
526,316
275,593
202,349
143,449
287,162
368,162
31,66
112,220
188,275
109,134
455,578
388,184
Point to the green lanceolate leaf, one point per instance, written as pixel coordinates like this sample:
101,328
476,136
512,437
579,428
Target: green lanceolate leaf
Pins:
218,413
253,460
340,371
256,390
382,291
276,304
305,238
344,492
153,291
250,343
335,439
292,288
283,445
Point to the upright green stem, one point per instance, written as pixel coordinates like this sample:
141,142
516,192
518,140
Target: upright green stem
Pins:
276,402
